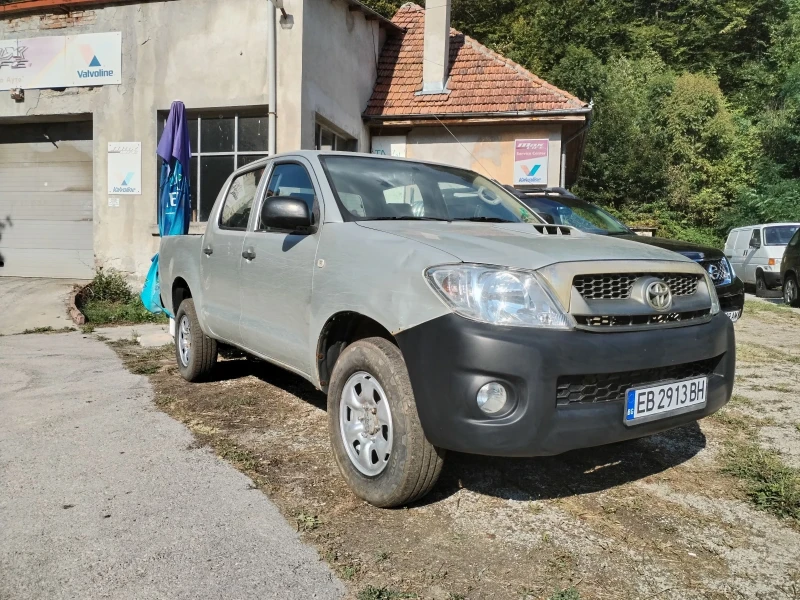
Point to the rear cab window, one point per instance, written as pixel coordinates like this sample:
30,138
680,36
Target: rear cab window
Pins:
235,213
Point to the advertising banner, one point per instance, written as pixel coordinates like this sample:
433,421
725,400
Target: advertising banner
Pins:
61,61
530,162
124,168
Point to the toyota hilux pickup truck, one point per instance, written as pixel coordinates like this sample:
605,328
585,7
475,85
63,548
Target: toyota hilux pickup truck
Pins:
438,312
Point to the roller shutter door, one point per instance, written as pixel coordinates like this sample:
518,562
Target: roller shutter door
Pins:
46,200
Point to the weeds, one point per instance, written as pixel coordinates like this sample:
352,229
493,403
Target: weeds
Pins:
241,457
771,485
381,593
109,299
47,330
567,594
307,522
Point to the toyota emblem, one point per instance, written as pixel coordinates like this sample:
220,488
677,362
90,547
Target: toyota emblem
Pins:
658,295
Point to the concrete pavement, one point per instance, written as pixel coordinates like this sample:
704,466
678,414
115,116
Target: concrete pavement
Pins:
29,303
103,496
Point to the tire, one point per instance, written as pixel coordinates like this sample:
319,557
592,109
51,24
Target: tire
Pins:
199,358
761,286
372,371
791,293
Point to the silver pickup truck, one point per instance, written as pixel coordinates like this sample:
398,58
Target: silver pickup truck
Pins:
439,313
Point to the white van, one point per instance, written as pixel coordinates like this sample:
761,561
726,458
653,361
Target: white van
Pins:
755,253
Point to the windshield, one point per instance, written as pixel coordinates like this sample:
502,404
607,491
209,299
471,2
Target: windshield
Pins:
779,235
576,213
370,189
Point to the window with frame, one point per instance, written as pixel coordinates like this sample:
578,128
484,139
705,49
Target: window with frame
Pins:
326,139
292,180
235,213
755,238
222,141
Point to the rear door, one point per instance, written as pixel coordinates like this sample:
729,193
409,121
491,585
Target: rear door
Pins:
276,280
737,250
222,256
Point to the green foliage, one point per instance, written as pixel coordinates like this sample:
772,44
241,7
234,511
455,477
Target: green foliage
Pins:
567,594
108,299
697,103
382,593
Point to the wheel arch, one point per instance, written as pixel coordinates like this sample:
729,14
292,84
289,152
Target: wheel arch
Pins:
339,331
180,291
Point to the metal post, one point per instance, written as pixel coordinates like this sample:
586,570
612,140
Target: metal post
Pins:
272,68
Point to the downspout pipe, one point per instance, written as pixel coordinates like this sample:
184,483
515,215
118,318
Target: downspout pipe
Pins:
272,78
582,131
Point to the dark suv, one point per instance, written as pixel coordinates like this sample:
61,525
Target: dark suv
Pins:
560,207
790,271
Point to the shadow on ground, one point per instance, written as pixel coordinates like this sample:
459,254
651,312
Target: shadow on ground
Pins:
573,473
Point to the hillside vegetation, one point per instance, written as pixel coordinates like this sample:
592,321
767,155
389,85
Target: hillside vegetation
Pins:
697,102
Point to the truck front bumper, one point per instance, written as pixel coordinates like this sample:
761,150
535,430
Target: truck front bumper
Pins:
450,358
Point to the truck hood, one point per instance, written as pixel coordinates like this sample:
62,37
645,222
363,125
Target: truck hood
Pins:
518,245
688,249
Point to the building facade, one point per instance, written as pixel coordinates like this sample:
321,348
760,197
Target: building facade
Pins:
85,86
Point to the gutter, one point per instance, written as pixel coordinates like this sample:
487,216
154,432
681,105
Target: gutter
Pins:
272,79
51,5
582,131
476,115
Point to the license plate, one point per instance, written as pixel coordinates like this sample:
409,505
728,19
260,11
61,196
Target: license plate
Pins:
659,401
734,315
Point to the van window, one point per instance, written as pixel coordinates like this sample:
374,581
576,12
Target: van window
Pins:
743,239
755,239
779,235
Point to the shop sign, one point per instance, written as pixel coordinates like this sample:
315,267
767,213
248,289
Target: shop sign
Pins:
530,162
125,168
389,145
90,59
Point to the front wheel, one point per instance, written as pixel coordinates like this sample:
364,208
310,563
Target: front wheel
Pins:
790,291
196,353
761,286
374,427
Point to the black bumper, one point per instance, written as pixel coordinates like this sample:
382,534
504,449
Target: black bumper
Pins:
450,358
731,297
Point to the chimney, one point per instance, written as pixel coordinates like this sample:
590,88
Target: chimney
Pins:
436,56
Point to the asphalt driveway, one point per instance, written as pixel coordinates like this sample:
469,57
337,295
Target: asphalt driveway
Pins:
103,496
29,303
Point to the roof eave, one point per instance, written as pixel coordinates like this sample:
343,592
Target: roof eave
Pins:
584,110
372,15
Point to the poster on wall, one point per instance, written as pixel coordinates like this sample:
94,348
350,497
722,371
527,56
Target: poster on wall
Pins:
124,168
61,61
389,145
530,162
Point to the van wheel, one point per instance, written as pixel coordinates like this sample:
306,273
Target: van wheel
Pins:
196,353
375,432
790,292
761,286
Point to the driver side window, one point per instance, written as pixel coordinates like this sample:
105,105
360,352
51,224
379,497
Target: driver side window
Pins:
755,239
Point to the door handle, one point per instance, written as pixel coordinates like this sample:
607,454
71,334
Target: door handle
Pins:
248,254
208,251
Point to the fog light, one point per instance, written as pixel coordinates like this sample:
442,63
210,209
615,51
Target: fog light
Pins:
492,398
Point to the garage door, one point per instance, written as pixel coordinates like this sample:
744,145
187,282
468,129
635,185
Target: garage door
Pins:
46,200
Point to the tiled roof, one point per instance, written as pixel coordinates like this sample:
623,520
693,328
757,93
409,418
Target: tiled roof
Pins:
481,81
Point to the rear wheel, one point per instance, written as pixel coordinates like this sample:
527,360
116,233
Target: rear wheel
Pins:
791,295
374,427
196,353
761,286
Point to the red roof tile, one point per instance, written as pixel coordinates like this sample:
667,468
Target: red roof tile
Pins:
480,80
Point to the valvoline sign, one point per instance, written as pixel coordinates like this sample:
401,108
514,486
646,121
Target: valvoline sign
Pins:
530,162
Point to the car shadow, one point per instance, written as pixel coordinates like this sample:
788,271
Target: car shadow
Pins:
573,473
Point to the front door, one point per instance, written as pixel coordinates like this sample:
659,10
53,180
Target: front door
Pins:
276,279
751,256
222,257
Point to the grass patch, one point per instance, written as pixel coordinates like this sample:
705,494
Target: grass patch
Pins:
240,457
771,485
308,522
760,354
108,299
47,330
382,593
756,307
567,594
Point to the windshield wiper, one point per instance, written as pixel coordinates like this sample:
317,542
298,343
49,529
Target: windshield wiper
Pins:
486,220
408,218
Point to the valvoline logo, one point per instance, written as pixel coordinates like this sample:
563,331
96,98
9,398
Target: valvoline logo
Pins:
95,69
125,186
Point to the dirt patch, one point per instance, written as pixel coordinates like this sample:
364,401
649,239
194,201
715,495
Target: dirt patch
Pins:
653,518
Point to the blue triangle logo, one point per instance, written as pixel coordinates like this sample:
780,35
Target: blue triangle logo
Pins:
95,62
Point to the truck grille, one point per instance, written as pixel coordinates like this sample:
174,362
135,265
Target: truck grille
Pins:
609,387
638,320
617,286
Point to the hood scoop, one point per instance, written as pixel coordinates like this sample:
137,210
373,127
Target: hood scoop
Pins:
553,229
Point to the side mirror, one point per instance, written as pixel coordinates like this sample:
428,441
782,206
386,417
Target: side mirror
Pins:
285,213
755,245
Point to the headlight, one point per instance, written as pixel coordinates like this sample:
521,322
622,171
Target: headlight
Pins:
498,296
721,271
712,291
